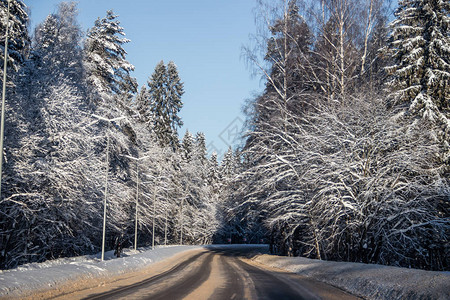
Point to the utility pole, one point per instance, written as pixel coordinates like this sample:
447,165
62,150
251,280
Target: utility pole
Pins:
106,177
137,159
106,193
154,207
2,127
137,204
181,221
165,229
154,213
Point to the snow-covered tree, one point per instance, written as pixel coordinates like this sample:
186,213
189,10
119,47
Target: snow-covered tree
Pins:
56,155
286,49
108,72
213,174
227,166
18,39
187,145
57,44
175,91
420,75
166,90
349,183
53,175
200,149
281,57
142,102
420,46
158,94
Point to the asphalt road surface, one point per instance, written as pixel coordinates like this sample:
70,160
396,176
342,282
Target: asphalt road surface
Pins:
217,273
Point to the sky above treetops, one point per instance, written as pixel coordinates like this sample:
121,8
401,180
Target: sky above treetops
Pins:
203,37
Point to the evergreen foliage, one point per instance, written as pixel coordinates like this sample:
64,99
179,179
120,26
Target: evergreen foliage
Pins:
166,89
107,70
420,76
187,145
18,38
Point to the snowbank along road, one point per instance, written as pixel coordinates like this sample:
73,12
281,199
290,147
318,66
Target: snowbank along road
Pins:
213,273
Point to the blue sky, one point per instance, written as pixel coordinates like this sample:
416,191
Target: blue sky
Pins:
204,39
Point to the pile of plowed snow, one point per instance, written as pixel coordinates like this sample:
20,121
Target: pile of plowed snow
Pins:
369,281
52,273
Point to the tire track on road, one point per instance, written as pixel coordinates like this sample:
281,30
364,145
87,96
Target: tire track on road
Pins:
188,284
127,290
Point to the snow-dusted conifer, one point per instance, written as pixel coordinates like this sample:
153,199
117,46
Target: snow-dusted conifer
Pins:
143,106
57,44
18,39
228,165
286,48
158,94
175,91
200,148
420,46
213,174
166,89
187,145
420,77
107,70
53,169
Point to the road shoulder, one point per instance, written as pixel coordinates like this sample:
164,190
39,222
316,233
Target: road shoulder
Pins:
369,281
99,274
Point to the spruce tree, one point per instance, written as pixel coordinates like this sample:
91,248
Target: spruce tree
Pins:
18,38
142,102
200,148
175,91
56,44
420,46
213,173
420,77
187,145
166,89
158,106
228,165
107,70
289,42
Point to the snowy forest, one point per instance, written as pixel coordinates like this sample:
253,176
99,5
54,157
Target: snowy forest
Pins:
345,154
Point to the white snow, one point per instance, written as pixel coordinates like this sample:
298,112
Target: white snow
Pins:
38,276
369,281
